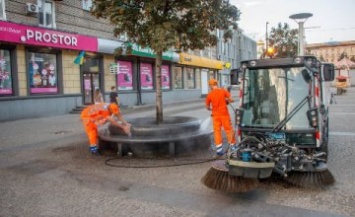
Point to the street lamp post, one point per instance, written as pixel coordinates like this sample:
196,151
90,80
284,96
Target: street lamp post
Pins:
266,38
301,19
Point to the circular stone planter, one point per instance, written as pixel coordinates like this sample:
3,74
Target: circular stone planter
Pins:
179,133
147,126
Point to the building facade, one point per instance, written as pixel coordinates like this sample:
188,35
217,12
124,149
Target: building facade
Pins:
332,51
40,42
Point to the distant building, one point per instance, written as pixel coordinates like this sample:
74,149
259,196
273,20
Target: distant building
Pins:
332,51
240,47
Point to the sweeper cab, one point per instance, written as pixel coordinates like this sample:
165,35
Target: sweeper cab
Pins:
282,122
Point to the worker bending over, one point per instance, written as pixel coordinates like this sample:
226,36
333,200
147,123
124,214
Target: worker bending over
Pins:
216,101
99,114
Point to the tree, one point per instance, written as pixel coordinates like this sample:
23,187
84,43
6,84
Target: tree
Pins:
284,40
342,55
169,24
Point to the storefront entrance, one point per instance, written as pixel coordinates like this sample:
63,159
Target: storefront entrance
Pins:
91,78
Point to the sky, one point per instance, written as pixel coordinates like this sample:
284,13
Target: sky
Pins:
332,20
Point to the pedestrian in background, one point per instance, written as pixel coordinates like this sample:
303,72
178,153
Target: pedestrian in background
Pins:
114,95
99,114
216,101
98,98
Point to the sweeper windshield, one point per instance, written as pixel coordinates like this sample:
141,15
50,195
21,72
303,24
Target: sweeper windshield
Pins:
270,95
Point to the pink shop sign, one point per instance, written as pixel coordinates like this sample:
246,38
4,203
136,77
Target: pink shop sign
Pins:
12,32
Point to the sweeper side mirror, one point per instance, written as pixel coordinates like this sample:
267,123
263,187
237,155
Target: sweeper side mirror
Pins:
235,76
306,76
328,72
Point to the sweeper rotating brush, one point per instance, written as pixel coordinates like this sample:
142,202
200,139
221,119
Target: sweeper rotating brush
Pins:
311,179
218,178
320,178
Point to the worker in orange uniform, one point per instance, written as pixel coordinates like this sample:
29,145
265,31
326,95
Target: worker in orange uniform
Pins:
216,101
99,114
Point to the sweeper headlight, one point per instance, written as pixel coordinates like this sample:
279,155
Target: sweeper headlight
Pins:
312,115
298,60
252,63
238,116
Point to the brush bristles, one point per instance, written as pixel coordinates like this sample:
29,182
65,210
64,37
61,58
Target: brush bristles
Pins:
311,179
222,181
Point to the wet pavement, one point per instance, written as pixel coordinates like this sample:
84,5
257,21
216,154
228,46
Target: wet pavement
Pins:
46,170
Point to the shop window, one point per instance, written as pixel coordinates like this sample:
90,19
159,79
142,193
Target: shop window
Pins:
177,77
146,70
91,65
43,74
190,78
198,78
165,77
5,73
211,74
2,10
86,4
125,75
46,13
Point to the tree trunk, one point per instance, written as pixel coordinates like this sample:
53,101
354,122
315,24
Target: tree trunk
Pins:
159,99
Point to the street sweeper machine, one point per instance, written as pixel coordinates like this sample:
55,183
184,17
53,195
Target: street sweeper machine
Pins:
282,125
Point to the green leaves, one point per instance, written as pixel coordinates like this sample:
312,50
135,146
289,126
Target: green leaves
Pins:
166,24
284,40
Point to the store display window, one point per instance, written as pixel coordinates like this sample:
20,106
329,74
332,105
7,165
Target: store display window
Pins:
5,73
165,77
177,77
146,70
190,78
124,75
42,72
198,78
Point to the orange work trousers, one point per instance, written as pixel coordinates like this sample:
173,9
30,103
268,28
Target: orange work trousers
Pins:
91,131
224,121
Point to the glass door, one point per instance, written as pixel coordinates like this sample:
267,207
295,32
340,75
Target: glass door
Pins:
91,83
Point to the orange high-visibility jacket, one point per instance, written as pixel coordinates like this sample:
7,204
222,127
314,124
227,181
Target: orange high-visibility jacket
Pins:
220,115
95,115
217,98
98,113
